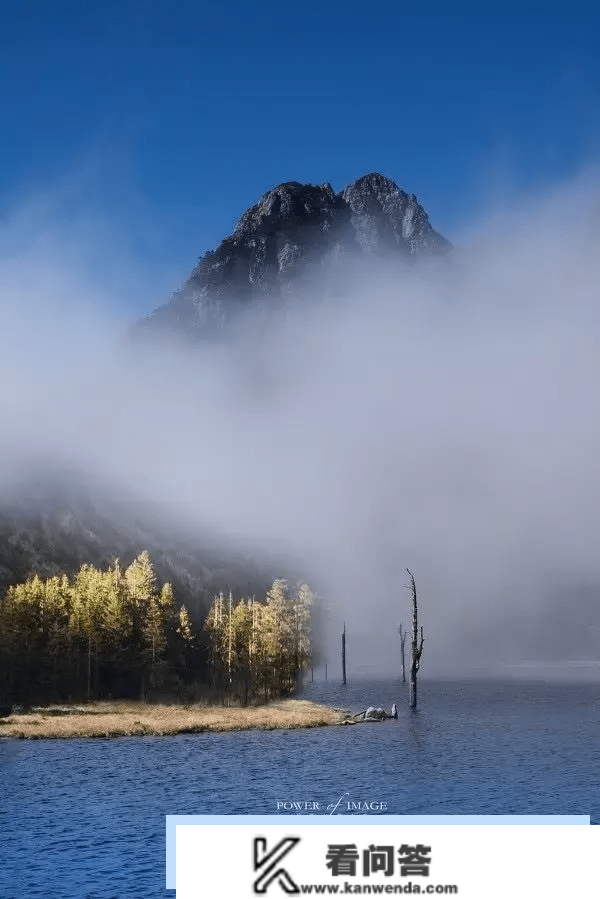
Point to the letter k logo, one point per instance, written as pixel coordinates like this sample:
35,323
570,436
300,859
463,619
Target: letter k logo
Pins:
267,862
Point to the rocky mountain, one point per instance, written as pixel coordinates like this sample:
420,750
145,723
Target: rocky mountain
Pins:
293,235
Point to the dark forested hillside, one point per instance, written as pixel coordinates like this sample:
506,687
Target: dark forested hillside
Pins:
56,528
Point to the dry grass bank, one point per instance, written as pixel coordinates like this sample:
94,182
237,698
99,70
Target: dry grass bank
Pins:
127,718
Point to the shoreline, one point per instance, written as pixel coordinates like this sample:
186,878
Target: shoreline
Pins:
126,718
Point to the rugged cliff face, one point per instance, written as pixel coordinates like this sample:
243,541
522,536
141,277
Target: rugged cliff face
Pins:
386,219
294,232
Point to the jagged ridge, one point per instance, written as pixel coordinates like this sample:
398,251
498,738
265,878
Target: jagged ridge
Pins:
294,230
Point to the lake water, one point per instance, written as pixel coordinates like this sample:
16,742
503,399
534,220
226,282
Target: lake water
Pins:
86,819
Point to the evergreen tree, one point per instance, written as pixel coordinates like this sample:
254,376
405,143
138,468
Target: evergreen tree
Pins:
184,626
155,630
283,633
303,599
117,632
264,646
140,584
87,614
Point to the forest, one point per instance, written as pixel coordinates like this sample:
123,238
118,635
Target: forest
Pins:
119,633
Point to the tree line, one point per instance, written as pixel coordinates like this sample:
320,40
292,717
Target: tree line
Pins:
119,633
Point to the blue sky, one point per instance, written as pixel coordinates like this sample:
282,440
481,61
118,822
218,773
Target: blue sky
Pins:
166,120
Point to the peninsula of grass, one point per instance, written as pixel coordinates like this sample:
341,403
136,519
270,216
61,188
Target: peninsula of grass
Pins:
126,718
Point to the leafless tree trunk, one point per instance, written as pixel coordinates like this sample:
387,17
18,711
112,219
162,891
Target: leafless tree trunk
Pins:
344,655
402,633
417,647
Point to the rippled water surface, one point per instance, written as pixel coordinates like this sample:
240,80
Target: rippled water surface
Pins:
86,819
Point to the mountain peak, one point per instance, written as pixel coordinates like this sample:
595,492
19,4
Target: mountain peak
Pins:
386,217
288,200
294,229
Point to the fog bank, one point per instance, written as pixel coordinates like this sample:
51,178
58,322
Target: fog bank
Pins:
440,417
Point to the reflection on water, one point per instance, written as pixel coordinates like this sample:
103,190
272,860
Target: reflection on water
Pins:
86,818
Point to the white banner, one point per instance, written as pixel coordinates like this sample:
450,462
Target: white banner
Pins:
358,858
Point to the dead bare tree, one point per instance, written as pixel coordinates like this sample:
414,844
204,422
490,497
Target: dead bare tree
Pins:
417,647
402,634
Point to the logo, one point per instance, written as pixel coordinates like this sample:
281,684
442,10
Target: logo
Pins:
267,863
343,805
